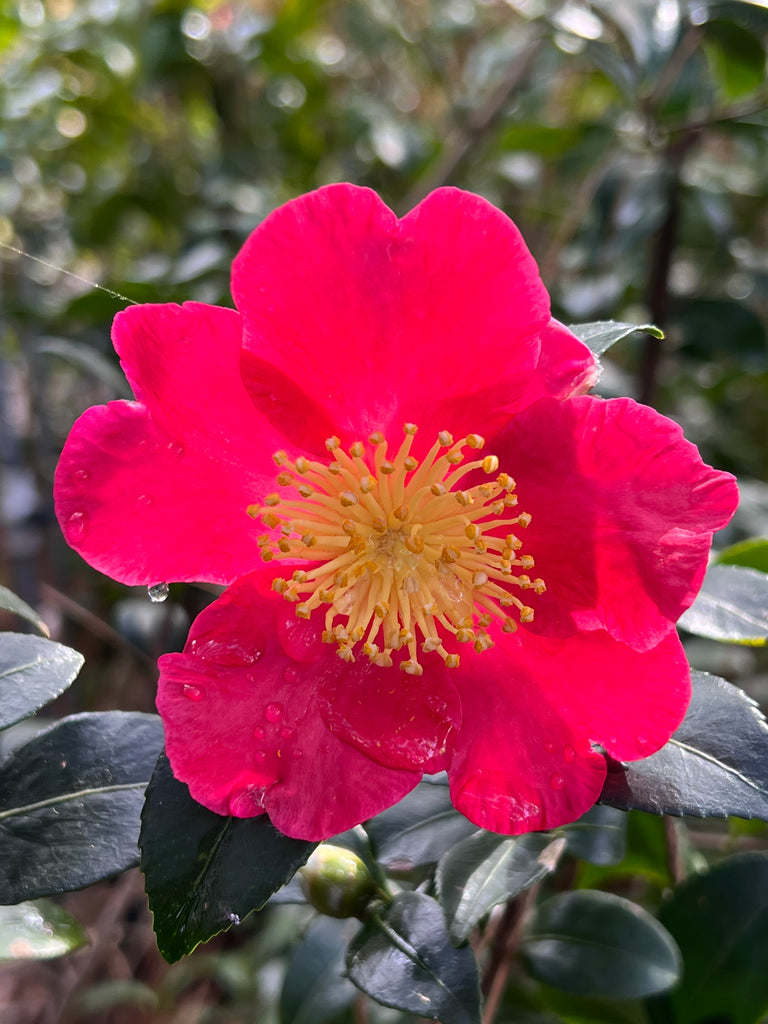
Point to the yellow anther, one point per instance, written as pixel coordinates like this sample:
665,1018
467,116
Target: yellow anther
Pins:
370,650
284,546
376,438
308,540
445,438
475,440
280,458
479,579
379,525
454,458
539,586
452,661
527,562
388,467
332,443
431,644
510,500
284,479
410,463
524,519
272,500
356,450
305,490
412,668
334,467
490,464
509,626
472,532
347,499
450,554
410,428
465,635
266,554
326,596
526,614
279,585
253,511
303,611
464,498
414,543
341,579
438,490
299,576
302,465
381,610
349,527
505,480
345,652
401,513
367,484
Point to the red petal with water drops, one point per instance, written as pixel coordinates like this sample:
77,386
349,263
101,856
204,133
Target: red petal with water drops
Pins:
623,510
244,728
157,490
534,709
432,319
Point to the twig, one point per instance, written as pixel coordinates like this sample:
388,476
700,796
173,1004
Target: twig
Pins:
504,950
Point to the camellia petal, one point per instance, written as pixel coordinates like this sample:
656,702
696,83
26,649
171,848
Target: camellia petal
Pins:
622,515
383,321
532,764
566,368
141,484
245,729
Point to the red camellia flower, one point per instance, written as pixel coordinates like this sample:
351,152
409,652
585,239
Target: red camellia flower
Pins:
440,552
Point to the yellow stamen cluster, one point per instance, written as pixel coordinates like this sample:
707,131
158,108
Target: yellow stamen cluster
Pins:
398,549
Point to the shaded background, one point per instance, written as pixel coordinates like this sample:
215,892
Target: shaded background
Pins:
141,142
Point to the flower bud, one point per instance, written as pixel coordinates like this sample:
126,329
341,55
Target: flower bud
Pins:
336,882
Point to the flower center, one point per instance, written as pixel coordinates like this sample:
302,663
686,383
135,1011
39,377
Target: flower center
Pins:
402,555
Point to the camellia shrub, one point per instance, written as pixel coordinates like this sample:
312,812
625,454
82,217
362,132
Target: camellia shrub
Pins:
445,660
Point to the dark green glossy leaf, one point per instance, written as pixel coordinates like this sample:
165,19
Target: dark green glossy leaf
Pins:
752,553
419,829
599,836
601,335
38,931
32,672
70,801
87,358
9,602
404,959
720,922
486,869
205,872
315,988
716,763
600,945
732,606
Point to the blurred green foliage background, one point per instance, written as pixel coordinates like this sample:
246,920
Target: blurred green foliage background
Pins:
142,140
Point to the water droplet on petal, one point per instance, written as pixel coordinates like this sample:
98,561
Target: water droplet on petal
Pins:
549,746
259,732
290,674
569,753
286,732
192,692
78,525
81,475
176,449
144,500
260,755
642,739
273,712
225,652
248,801
556,781
297,753
158,592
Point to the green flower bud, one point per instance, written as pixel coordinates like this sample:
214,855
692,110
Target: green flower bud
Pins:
336,882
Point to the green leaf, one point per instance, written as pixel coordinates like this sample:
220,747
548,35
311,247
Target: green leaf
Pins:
32,672
38,931
736,55
600,335
720,922
600,945
70,801
599,836
9,602
90,360
732,606
752,553
314,988
716,763
419,829
404,959
486,869
204,872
